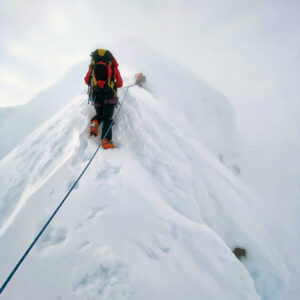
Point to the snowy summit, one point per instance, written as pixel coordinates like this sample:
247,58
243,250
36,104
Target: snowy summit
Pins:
156,218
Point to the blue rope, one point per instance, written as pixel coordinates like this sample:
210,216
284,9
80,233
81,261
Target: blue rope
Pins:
60,205
93,99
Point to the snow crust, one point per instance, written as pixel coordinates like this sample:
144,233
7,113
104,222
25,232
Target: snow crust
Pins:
155,218
17,122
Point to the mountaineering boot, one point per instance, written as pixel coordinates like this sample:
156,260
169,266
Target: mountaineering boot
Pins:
94,128
106,144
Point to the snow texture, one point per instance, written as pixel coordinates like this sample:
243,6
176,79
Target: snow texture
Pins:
155,218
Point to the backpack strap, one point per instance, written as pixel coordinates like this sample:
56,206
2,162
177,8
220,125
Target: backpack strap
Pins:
101,82
110,81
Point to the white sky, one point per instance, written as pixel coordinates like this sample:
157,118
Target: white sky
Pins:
233,45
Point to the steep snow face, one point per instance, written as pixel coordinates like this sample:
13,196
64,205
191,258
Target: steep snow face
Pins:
153,219
16,123
30,165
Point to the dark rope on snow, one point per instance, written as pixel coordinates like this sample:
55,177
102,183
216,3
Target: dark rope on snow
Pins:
62,202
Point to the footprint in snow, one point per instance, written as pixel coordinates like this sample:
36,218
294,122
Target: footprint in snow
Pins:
96,211
108,171
154,250
52,237
83,152
163,248
78,226
105,278
84,246
71,183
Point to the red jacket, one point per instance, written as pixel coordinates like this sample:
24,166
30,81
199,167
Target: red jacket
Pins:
118,78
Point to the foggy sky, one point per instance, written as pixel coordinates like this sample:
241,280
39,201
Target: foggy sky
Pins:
233,45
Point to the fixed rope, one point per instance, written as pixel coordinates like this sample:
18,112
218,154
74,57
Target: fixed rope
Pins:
127,86
62,202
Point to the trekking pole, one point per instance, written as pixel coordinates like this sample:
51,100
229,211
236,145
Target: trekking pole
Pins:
88,92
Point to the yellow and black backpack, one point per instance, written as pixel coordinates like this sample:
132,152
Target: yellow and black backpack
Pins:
102,75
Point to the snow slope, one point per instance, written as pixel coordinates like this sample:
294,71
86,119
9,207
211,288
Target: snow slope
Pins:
154,219
208,111
17,122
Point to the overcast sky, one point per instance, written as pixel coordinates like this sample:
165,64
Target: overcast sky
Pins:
231,44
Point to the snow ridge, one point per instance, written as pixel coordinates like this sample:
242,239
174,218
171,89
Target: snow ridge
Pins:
156,218
155,203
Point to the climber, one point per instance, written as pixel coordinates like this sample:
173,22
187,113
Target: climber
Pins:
103,79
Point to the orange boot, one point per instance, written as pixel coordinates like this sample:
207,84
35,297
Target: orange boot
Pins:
106,144
94,127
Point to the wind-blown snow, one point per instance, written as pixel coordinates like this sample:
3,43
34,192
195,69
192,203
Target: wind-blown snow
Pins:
35,161
17,122
155,218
